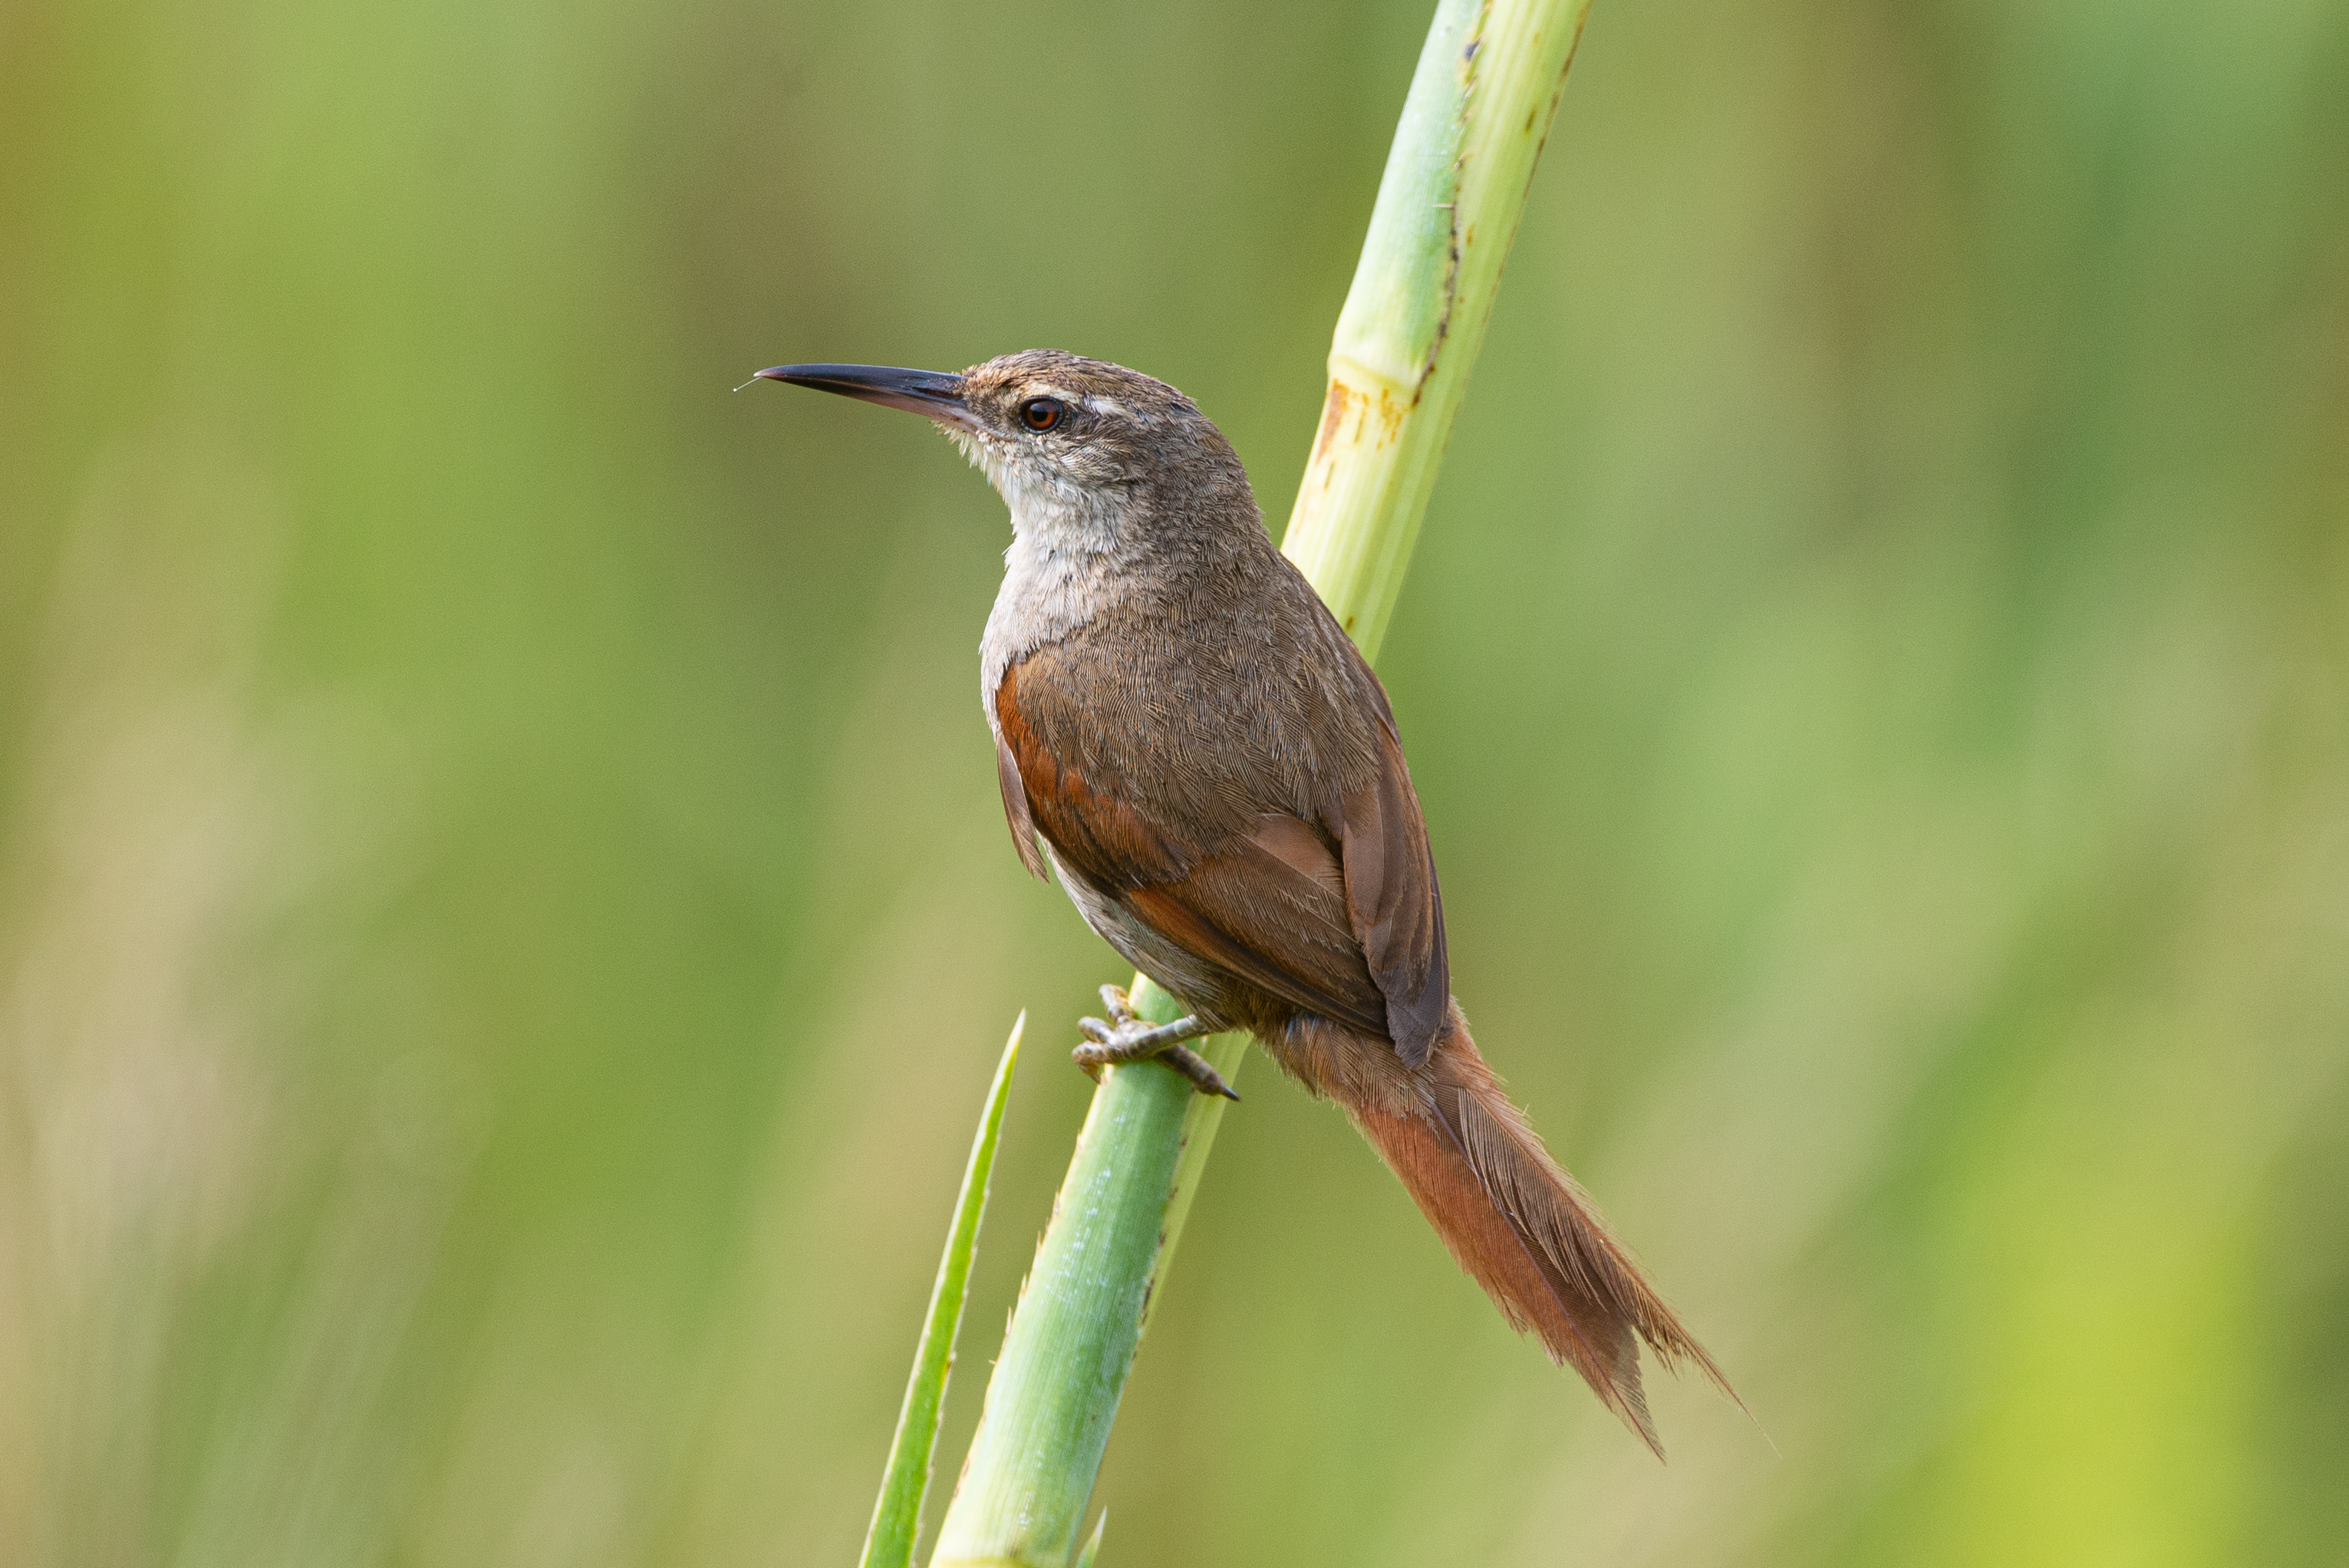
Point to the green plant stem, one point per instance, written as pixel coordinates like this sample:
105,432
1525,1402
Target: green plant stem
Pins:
1473,127
1072,1341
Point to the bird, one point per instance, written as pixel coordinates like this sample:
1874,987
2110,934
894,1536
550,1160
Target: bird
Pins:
1187,737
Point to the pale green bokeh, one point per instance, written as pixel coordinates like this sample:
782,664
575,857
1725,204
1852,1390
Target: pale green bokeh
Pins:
504,919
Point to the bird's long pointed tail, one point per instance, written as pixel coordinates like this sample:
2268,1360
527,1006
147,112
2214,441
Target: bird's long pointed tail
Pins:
1521,1226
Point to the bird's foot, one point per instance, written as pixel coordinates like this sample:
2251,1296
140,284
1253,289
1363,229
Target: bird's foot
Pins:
1126,1038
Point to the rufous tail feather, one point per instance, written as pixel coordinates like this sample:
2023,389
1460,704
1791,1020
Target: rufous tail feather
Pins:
1526,1231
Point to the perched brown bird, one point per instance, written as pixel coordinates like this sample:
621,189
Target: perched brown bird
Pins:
1216,774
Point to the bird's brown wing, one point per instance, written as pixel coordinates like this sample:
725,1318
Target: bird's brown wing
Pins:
1092,829
1393,901
1356,934
1310,912
1271,908
1014,809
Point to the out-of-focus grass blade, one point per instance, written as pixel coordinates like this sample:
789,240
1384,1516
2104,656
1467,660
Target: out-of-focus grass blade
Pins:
897,1516
1092,1541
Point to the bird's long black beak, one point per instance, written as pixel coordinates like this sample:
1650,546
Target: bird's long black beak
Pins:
934,393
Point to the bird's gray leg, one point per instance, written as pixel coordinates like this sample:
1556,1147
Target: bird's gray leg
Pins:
1127,1039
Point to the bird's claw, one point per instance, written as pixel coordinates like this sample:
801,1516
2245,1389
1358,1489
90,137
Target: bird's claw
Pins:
1131,1039
1119,1004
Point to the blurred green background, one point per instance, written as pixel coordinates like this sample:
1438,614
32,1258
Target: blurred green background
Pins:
504,917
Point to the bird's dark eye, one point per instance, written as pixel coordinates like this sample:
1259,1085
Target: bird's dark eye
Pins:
1040,413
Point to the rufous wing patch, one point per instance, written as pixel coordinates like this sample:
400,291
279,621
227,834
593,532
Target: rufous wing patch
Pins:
1015,811
1092,830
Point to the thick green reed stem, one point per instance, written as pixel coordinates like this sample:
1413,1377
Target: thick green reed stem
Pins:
1473,127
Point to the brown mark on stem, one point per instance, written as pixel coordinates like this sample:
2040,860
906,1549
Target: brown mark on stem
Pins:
1333,418
1573,47
1469,56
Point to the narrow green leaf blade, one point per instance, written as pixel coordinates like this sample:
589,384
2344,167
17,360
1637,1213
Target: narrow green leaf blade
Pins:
897,1515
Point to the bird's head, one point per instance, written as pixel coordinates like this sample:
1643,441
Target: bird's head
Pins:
1073,444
